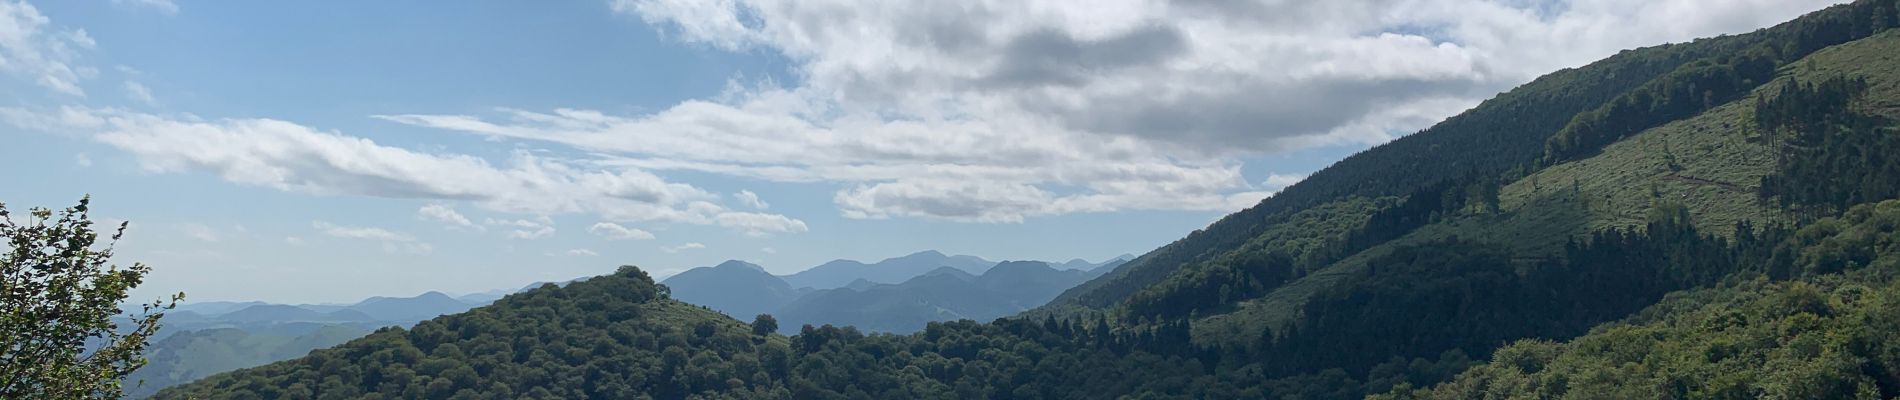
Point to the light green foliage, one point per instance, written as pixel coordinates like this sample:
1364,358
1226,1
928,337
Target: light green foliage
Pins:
58,295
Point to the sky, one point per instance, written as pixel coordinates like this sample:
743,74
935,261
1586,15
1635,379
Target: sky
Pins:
330,151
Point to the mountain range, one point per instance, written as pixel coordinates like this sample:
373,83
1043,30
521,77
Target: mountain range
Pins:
945,294
1712,219
200,339
855,293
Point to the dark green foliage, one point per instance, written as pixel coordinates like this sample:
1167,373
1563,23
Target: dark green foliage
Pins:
58,297
1419,301
1713,80
1687,91
1829,335
764,325
1834,155
1243,275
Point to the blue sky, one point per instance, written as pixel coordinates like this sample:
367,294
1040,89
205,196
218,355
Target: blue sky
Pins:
329,151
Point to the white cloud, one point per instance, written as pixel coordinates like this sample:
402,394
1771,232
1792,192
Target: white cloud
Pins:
768,250
32,49
349,232
139,93
757,224
688,246
446,214
613,231
293,240
539,227
82,160
199,231
392,242
295,158
750,199
574,253
996,111
1278,181
167,7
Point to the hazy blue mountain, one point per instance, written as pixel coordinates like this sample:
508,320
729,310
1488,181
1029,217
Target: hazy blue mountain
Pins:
201,339
860,284
737,288
1029,284
273,313
1085,265
481,298
424,306
952,272
838,273
213,308
937,295
187,356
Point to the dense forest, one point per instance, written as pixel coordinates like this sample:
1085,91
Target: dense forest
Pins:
1511,251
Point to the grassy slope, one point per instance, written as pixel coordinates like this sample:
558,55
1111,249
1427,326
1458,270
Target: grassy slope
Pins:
1718,164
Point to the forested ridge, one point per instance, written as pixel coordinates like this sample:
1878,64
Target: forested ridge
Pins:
1508,252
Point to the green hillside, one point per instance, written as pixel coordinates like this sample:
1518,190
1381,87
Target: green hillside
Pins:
1827,336
1712,164
1649,191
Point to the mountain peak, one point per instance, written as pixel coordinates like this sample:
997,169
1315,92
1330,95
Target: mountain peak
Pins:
951,271
739,264
925,254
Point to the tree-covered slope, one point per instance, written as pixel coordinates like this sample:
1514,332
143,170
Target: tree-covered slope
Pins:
1833,334
1560,117
1500,134
1712,164
614,336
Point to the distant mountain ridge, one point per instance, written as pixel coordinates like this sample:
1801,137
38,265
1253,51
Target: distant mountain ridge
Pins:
940,295
838,273
901,292
200,339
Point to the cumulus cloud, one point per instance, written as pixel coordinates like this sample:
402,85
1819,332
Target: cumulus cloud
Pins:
296,158
683,247
32,49
613,231
139,93
750,199
445,214
525,229
997,111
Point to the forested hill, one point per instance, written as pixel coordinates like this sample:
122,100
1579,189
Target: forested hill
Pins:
1501,139
1701,220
